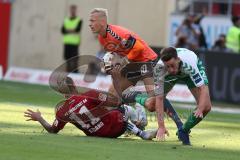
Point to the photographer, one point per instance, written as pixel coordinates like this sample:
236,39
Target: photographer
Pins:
220,44
190,32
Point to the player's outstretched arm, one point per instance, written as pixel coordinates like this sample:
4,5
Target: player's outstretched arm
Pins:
116,77
36,116
160,118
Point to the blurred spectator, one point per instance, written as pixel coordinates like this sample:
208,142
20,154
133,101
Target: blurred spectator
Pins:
233,35
220,44
189,31
201,39
181,42
71,38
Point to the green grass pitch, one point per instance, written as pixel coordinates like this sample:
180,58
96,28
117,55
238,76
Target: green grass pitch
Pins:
217,137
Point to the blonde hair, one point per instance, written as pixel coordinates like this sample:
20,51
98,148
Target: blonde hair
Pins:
101,11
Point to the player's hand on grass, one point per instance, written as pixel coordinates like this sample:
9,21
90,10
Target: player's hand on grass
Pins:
198,113
161,133
33,116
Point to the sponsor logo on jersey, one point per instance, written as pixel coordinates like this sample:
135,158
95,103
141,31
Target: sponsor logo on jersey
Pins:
197,78
76,106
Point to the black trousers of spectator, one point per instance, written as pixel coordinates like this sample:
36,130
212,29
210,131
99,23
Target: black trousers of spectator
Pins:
71,51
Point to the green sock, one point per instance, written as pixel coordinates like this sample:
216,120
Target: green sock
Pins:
191,122
141,99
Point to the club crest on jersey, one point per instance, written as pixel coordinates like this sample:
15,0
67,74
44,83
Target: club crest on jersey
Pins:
102,97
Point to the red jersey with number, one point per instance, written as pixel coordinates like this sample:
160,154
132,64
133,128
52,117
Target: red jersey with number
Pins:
112,42
86,112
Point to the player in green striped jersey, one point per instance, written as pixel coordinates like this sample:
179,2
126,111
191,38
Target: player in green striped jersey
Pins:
175,65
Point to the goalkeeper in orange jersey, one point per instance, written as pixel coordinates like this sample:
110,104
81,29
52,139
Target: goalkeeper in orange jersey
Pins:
139,58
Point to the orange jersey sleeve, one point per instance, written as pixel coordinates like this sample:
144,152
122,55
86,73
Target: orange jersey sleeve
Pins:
135,53
113,42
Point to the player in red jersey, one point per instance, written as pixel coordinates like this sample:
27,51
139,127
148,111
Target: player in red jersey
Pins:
89,112
124,42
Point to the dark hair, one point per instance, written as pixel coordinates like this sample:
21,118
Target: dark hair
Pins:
168,53
222,35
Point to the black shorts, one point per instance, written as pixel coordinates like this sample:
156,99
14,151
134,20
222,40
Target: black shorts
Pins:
137,71
70,51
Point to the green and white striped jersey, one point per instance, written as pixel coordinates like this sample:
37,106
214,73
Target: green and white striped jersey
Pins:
191,67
